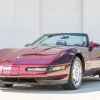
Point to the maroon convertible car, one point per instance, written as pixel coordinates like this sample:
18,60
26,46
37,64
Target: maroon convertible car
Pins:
53,59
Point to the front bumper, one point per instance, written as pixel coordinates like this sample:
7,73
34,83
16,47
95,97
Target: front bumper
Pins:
52,78
34,81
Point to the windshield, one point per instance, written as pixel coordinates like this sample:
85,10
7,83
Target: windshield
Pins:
62,40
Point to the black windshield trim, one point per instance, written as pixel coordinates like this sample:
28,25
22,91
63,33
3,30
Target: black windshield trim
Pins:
74,34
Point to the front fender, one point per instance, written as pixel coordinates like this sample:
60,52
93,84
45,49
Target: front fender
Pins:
67,57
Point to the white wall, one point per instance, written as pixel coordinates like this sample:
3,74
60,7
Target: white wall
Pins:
18,22
92,19
61,16
21,21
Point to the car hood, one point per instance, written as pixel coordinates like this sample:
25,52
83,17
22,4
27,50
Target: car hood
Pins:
36,55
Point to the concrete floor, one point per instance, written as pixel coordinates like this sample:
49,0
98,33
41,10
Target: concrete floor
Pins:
90,90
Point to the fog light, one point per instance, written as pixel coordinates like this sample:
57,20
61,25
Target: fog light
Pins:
55,68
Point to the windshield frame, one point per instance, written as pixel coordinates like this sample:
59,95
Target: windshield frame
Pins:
74,34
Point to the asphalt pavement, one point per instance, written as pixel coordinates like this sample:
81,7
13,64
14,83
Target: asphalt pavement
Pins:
90,90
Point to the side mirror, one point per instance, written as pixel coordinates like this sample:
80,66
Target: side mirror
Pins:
92,45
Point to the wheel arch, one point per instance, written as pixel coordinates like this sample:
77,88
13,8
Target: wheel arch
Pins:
82,60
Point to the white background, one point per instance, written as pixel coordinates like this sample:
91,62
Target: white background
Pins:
21,21
92,19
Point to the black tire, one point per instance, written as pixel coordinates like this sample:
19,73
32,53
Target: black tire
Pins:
8,85
71,84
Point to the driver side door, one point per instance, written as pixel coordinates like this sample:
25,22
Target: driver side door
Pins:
94,58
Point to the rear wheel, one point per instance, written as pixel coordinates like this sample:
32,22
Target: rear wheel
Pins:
75,77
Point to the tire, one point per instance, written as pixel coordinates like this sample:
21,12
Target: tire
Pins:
8,85
75,76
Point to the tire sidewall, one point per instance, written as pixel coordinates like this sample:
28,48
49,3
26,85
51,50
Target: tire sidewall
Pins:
70,81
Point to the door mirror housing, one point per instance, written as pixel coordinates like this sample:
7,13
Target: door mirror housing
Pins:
93,45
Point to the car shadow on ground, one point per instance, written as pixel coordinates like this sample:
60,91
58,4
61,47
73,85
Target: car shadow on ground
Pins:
89,85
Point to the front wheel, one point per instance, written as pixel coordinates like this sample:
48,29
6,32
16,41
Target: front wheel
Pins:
75,77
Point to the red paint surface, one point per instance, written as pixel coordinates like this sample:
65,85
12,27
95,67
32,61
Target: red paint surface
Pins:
20,59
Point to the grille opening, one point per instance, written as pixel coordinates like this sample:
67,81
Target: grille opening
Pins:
19,80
